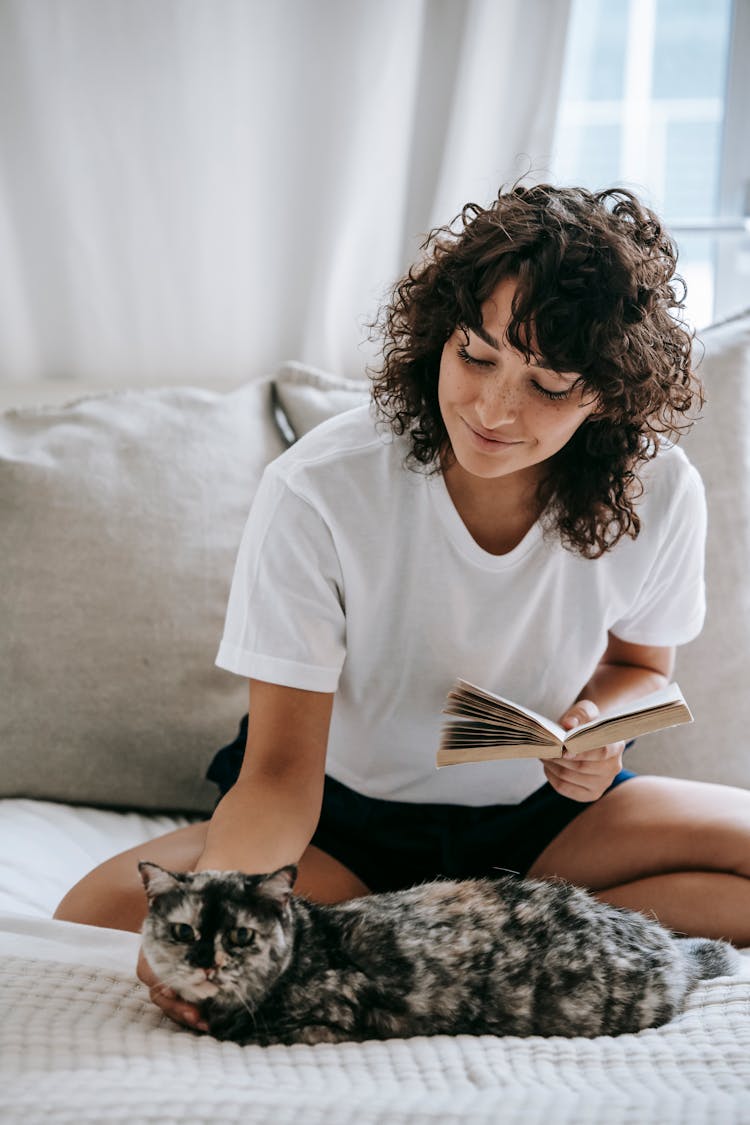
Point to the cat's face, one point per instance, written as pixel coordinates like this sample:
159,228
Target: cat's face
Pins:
217,932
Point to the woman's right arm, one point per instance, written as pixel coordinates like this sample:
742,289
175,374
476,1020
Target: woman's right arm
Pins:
268,818
270,815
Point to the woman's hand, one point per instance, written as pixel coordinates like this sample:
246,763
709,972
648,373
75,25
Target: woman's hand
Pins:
170,1003
585,776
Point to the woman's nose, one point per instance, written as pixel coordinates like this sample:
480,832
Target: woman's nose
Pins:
498,402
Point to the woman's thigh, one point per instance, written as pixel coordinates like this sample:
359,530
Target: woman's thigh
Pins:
112,894
649,826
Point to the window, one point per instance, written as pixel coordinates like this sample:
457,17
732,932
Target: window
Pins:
656,97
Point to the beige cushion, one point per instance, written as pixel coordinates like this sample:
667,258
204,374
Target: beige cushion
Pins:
121,515
120,518
713,670
307,395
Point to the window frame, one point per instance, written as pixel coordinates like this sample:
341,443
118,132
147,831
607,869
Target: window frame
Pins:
732,286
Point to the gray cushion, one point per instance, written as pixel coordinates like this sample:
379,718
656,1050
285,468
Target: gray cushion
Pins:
713,669
121,515
307,395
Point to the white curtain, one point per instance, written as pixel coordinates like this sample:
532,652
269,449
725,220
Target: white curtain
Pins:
198,189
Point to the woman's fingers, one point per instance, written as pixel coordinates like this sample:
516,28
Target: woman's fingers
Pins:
178,1010
582,711
587,776
567,787
599,754
165,998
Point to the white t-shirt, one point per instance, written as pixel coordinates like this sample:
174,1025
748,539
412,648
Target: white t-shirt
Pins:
357,576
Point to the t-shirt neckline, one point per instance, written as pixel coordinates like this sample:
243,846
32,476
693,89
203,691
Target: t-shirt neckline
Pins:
464,540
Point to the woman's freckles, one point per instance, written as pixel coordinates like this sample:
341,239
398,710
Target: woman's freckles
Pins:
504,415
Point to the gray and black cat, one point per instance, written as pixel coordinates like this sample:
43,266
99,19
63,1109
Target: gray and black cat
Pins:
478,957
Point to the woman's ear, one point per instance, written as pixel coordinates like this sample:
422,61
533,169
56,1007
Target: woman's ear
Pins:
592,400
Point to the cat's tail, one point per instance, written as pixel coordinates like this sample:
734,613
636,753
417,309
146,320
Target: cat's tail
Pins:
710,958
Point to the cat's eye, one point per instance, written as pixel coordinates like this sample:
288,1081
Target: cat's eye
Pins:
180,931
241,936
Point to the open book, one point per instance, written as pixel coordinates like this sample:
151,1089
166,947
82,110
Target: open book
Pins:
490,727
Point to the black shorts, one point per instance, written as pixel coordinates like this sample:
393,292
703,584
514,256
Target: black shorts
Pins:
394,844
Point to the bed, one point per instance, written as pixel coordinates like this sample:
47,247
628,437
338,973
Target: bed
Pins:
115,575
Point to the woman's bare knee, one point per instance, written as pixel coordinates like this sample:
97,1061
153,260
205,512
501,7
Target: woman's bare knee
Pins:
652,826
112,895
324,879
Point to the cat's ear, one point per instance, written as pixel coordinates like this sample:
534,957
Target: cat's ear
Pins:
278,885
156,880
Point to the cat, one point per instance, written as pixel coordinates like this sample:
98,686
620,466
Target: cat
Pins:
484,956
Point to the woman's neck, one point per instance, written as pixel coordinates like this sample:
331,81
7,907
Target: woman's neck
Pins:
498,512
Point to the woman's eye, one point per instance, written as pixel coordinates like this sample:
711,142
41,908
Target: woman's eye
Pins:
556,396
470,359
241,936
549,394
180,931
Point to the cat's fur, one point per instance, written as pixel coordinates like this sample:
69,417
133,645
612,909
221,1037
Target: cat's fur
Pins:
484,956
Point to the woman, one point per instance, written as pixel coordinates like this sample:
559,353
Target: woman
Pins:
510,512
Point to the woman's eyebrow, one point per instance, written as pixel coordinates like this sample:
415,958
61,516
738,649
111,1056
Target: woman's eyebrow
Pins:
569,376
488,338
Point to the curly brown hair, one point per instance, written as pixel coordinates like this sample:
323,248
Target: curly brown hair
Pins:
595,283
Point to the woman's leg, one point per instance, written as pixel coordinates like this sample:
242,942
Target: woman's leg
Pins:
679,850
112,894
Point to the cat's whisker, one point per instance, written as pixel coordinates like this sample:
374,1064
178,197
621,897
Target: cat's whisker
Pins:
234,988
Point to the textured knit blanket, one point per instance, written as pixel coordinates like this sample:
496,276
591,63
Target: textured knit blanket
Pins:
83,1044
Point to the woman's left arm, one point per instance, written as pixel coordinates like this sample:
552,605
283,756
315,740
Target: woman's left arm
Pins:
624,673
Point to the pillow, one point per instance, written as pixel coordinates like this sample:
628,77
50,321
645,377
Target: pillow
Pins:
713,669
305,396
121,517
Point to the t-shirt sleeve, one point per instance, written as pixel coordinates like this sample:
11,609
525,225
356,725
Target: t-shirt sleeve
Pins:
285,617
671,605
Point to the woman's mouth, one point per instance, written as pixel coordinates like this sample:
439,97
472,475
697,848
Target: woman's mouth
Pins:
495,444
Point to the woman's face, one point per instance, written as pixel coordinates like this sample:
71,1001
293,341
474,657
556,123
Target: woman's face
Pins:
503,415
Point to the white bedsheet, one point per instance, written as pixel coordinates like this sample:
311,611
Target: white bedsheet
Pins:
81,1043
45,848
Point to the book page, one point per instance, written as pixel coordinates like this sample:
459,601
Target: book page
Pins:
664,696
629,726
489,728
457,755
493,728
467,700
